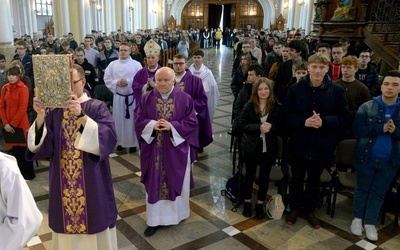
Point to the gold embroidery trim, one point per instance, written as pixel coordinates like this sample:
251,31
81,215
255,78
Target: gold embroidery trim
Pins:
72,177
164,110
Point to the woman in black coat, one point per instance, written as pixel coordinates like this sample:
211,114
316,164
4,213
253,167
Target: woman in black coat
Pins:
240,74
259,124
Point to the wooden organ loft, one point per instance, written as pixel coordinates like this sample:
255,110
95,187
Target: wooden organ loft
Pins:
373,23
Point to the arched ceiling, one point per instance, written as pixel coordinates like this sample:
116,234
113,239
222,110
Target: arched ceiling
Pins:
267,6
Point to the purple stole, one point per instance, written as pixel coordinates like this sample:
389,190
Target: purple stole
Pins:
165,110
72,181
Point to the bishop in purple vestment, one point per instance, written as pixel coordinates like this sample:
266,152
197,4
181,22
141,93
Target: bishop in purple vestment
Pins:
145,76
144,79
78,140
166,124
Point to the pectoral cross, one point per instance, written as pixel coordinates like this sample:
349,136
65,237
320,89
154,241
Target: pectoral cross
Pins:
182,86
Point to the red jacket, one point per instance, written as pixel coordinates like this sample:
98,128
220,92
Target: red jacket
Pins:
13,107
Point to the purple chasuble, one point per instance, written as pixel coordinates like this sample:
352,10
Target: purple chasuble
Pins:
140,80
162,164
80,184
192,85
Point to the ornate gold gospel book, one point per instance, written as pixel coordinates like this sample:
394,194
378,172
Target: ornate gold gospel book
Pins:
53,76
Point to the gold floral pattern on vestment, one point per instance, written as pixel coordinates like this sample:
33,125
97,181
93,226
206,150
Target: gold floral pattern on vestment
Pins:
164,109
72,178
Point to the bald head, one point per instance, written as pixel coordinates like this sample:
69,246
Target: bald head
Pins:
165,80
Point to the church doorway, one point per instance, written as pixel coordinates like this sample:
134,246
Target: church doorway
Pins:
221,16
223,13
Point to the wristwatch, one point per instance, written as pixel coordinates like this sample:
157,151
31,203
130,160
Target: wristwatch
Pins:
82,114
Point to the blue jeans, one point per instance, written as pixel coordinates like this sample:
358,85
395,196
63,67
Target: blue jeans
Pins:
373,179
206,43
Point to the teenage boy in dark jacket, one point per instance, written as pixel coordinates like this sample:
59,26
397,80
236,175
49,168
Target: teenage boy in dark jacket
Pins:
315,111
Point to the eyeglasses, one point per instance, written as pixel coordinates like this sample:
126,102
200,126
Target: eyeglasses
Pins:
78,80
179,63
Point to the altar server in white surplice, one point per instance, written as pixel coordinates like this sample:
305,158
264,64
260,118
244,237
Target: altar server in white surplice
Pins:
210,85
118,78
19,216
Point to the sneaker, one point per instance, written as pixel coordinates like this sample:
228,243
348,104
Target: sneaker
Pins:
356,227
371,232
247,210
292,217
313,220
260,214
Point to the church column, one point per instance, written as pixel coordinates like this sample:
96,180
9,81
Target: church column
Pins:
137,16
149,14
6,39
309,7
291,13
107,16
93,16
112,19
125,16
109,11
82,25
33,19
26,18
88,16
164,17
29,12
65,18
144,6
99,16
156,14
302,17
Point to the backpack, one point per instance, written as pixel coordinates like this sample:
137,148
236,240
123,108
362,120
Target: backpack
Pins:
233,189
275,207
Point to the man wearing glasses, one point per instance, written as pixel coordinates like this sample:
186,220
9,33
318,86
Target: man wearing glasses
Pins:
78,140
334,67
367,73
25,59
246,48
192,85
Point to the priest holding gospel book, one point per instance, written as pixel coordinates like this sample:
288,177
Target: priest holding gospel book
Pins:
78,140
13,112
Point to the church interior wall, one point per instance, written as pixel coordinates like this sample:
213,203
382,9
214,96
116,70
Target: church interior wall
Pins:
151,15
118,16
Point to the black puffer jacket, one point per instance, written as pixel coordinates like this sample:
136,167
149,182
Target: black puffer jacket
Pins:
249,123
